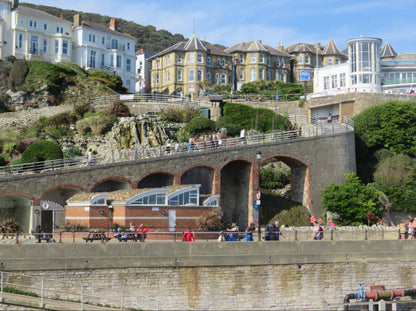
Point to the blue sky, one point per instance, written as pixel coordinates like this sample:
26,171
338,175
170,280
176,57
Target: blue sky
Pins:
228,22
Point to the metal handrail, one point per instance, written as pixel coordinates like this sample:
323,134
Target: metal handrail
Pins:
308,127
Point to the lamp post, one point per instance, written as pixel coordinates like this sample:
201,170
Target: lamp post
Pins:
258,155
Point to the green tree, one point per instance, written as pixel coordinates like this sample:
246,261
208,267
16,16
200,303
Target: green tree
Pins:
352,201
396,177
42,150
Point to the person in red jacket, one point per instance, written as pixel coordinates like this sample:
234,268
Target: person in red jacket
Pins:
188,236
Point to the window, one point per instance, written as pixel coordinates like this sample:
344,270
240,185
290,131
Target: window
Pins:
209,77
269,75
326,83
33,24
128,45
223,62
114,44
34,45
300,59
223,78
307,59
156,197
102,60
278,62
253,58
212,201
179,58
65,47
191,58
191,75
187,196
56,46
241,74
92,59
61,30
199,75
118,61
157,79
330,61
128,64
179,75
20,44
252,74
261,58
168,76
199,58
342,80
337,61
45,46
209,61
261,73
103,40
334,81
277,75
268,61
217,78
45,27
241,59
218,62
283,77
91,38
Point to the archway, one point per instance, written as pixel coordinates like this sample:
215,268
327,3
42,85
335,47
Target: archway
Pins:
156,180
235,183
17,207
111,184
199,175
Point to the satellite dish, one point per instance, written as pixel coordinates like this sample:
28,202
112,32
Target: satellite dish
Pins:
45,205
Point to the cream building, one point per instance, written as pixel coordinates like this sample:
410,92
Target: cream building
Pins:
182,68
97,46
36,35
256,61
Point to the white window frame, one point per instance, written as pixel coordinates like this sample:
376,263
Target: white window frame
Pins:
253,58
179,75
191,75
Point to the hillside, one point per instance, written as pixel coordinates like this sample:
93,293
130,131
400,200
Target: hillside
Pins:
147,36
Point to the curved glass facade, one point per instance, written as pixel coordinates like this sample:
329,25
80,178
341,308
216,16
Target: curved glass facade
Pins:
364,59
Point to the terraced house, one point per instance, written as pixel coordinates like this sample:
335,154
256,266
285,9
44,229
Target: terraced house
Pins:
256,61
181,68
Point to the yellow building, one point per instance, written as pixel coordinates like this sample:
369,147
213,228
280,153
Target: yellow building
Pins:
256,61
182,68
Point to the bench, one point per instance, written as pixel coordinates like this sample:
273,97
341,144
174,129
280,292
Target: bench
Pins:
41,236
124,237
96,236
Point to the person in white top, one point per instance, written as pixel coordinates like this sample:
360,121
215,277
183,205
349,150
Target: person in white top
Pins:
243,136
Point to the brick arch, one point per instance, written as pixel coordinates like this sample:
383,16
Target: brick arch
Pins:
300,176
19,194
159,181
111,184
202,174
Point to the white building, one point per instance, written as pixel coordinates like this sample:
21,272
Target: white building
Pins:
5,16
36,35
143,69
106,48
369,68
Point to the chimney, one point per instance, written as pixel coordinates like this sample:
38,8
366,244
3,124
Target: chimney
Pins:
62,15
113,24
76,20
15,4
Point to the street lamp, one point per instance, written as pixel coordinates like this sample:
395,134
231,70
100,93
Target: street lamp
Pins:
258,155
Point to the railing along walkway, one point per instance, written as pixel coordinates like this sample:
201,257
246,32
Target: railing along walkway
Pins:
307,128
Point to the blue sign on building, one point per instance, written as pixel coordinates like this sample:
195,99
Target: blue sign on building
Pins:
305,75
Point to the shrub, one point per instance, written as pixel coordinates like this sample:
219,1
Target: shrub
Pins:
58,132
82,108
17,76
10,225
111,80
118,109
13,290
24,144
83,126
272,179
63,119
200,125
72,152
297,216
99,124
210,221
42,150
180,115
3,161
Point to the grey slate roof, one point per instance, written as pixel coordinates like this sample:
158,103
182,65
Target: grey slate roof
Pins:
388,51
255,46
193,44
102,28
146,53
331,48
301,47
39,13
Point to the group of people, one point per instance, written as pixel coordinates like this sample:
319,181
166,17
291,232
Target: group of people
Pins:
139,234
409,228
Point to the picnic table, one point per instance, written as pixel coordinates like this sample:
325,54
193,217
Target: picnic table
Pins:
96,236
129,236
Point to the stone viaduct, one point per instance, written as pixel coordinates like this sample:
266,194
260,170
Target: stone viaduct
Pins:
232,173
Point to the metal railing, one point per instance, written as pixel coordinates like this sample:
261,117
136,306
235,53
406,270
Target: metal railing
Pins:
47,291
176,235
307,128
